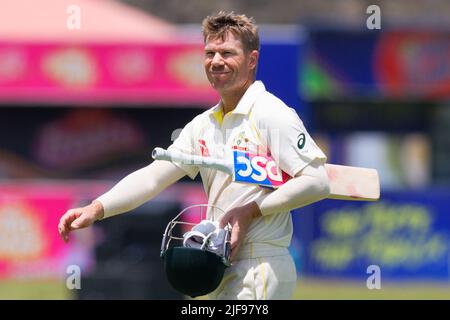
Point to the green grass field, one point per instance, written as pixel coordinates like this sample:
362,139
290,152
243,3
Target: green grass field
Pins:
34,290
319,289
307,289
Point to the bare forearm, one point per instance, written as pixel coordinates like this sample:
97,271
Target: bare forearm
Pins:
308,187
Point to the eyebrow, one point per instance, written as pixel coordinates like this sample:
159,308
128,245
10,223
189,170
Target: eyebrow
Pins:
220,49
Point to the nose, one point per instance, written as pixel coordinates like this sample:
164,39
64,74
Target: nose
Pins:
217,60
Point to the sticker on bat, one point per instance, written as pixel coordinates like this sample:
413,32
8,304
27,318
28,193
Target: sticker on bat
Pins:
257,169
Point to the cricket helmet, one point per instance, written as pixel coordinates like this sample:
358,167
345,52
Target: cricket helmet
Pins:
194,262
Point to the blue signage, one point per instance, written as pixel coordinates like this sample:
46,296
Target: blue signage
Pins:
406,234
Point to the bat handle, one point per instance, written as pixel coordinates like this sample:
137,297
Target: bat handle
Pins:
224,165
176,156
161,154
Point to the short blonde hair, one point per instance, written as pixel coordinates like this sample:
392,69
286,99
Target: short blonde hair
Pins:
243,27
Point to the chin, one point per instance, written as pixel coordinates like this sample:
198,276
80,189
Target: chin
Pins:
219,86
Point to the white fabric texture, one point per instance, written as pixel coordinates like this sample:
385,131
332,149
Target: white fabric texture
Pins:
139,187
206,235
260,121
309,186
263,278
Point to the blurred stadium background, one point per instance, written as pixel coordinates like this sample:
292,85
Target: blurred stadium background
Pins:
80,109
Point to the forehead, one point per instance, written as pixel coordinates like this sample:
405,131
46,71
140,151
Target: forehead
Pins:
229,40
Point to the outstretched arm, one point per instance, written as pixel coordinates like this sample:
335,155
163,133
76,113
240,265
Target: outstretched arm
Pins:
129,193
139,187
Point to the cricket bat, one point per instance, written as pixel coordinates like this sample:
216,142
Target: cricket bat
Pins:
346,182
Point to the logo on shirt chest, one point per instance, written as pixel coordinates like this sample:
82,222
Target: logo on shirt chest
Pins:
245,142
241,142
203,148
212,146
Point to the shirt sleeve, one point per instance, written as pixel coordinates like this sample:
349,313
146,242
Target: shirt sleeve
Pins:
185,143
138,187
285,136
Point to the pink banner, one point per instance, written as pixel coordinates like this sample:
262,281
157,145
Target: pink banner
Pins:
30,246
169,74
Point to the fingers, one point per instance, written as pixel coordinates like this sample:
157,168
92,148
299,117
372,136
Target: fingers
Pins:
235,242
79,223
65,222
62,226
224,221
234,236
234,252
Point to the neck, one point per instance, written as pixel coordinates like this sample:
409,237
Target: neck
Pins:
231,99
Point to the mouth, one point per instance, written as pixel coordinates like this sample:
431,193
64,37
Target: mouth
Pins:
219,72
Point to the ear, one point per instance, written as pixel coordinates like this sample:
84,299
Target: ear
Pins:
253,59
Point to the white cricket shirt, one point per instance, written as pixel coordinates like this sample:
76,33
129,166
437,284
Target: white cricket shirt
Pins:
260,123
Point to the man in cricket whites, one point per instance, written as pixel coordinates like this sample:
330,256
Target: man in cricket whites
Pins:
245,118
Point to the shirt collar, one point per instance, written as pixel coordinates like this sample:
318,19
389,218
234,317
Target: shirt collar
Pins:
247,99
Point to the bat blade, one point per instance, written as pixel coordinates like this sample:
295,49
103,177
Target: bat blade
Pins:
346,183
353,183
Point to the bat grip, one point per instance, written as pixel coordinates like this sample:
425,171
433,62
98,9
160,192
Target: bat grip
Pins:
188,159
161,154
